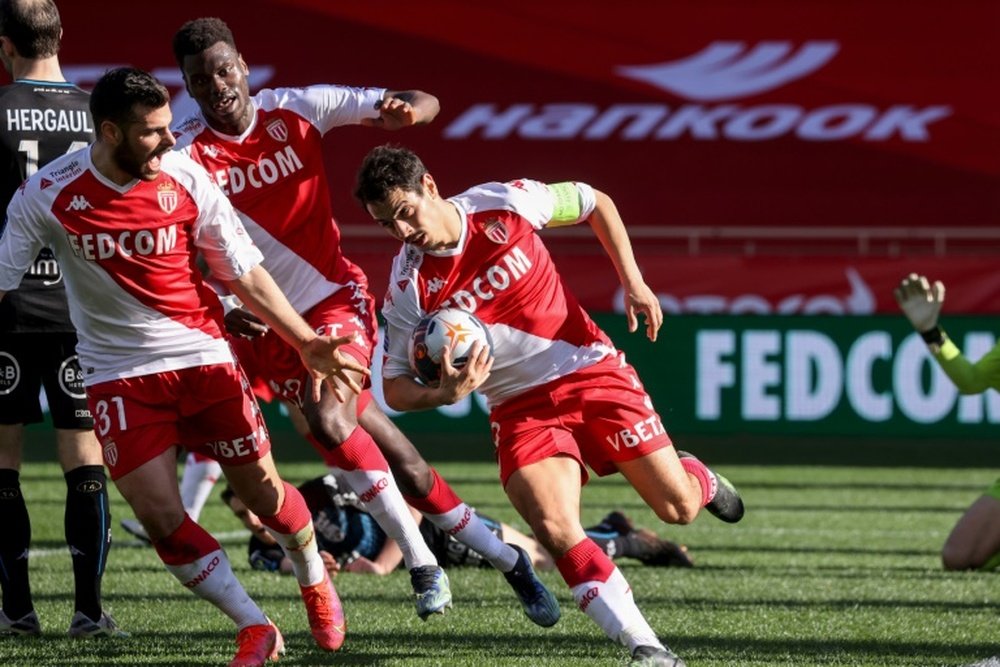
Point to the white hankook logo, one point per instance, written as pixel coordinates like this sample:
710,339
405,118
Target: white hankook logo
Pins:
725,70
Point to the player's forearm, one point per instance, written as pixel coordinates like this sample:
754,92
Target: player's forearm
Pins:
259,293
405,394
610,231
968,377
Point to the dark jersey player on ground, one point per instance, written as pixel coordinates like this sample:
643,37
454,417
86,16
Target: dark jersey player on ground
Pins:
354,542
44,117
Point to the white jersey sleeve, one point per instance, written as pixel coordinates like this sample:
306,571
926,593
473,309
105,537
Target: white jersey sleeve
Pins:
540,204
402,312
325,106
218,231
21,241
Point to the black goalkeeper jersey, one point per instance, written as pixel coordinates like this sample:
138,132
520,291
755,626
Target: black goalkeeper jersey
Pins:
41,121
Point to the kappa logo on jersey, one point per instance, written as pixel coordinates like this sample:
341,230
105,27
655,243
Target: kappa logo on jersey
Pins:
211,150
78,203
166,197
434,285
495,230
278,130
725,70
46,183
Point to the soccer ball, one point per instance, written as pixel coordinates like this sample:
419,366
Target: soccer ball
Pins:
453,328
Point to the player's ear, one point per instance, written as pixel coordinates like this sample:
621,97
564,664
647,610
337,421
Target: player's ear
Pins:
244,67
429,186
9,50
110,133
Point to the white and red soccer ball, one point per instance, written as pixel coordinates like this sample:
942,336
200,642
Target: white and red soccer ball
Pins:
453,328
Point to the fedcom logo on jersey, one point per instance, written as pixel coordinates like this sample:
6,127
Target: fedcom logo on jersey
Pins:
264,172
143,242
723,72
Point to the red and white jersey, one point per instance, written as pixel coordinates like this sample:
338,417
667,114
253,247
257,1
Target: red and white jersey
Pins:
501,271
274,176
137,299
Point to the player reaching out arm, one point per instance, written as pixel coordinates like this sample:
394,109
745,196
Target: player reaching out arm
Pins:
560,396
974,542
236,136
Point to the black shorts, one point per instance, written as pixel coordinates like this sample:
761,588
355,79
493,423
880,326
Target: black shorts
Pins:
29,361
449,551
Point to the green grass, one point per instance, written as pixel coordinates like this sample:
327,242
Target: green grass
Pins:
831,566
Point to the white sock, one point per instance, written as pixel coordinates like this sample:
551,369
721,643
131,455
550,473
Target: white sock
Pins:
301,549
210,577
380,496
197,481
464,525
610,605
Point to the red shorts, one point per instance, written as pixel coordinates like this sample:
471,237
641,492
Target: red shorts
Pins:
600,416
268,358
210,410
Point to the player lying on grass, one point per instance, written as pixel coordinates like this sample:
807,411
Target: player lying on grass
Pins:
351,541
974,542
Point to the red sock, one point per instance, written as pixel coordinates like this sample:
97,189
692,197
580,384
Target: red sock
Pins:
186,544
440,500
292,516
584,562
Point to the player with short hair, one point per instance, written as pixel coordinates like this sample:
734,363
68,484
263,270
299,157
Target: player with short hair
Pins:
974,542
37,339
124,218
560,395
265,152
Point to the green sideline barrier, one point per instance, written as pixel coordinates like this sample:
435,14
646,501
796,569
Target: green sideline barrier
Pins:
791,377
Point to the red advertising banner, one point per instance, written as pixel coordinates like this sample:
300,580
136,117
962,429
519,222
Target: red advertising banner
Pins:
697,117
698,113
720,284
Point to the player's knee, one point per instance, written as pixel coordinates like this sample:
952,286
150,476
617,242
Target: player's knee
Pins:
332,428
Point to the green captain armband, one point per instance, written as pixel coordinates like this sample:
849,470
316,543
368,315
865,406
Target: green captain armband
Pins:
567,205
949,350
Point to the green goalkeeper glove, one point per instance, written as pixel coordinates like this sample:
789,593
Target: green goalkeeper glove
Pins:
920,301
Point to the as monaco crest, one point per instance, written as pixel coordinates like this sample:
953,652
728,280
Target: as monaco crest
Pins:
111,453
495,230
166,197
278,130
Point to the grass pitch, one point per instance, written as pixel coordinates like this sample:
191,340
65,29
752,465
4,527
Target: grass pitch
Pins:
831,566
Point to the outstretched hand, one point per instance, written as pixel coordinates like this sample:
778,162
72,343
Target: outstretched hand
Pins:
920,301
641,299
326,363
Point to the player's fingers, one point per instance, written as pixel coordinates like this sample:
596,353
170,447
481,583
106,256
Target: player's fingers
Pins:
630,317
938,292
